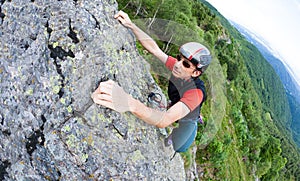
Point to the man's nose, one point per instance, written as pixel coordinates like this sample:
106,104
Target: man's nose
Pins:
178,64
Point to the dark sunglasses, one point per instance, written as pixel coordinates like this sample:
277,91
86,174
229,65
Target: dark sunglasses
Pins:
185,62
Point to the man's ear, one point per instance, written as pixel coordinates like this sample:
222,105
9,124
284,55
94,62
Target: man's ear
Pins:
196,73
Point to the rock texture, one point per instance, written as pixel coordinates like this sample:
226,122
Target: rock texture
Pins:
53,54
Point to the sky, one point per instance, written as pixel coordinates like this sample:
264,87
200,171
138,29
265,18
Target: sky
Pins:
277,21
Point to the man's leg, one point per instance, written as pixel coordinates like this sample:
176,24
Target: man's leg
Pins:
183,136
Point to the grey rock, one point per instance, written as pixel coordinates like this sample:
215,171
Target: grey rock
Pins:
53,54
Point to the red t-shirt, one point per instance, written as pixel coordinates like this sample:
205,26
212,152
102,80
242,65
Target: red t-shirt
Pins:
193,97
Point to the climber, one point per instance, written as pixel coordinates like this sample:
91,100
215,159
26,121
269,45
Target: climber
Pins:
186,91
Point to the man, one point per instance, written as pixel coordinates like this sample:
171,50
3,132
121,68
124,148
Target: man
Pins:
186,91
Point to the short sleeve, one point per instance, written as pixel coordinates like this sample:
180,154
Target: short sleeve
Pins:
170,62
192,98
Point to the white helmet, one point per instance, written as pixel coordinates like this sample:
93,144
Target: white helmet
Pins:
197,53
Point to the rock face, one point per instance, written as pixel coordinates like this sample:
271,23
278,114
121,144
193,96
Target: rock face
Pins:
53,54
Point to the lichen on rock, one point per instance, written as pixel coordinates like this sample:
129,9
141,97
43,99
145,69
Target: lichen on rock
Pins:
53,54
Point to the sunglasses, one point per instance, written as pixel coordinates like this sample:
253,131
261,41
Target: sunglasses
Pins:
185,62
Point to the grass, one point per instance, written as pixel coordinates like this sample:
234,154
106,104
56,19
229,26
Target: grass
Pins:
237,169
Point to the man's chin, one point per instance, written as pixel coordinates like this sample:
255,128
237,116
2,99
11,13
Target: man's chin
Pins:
175,74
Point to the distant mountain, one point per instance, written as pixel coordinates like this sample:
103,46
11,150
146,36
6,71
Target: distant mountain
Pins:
271,56
290,85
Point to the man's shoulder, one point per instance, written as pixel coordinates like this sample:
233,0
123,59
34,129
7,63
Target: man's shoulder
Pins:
199,83
170,62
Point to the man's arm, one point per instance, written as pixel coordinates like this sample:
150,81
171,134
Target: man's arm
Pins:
110,95
158,118
147,42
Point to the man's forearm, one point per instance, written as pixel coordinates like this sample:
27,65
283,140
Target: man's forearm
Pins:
149,115
145,39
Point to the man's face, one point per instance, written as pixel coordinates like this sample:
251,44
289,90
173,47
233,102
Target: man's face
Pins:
184,69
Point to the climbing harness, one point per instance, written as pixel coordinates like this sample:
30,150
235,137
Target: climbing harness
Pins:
156,99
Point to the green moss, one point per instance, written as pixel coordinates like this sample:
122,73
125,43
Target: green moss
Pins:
131,122
19,69
69,109
56,89
55,44
63,101
84,157
137,155
71,140
29,92
103,118
71,46
67,128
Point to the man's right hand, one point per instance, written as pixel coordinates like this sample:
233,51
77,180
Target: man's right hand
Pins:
124,19
111,95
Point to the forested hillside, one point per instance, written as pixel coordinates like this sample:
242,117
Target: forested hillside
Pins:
291,87
244,136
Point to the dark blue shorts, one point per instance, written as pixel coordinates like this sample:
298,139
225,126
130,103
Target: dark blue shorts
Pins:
185,134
